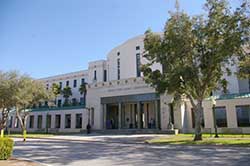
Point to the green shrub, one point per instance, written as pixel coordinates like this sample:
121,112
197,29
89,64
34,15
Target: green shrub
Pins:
6,148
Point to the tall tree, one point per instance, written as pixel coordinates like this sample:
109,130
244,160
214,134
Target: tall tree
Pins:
244,68
56,90
66,94
83,91
195,53
8,91
31,92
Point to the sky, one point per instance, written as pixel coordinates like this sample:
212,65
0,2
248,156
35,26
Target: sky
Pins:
43,38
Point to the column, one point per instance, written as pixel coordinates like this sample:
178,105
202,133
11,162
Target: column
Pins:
73,121
119,115
231,115
53,121
156,114
104,116
133,115
139,114
62,121
145,115
44,120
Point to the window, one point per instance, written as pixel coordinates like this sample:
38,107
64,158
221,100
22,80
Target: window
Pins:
46,103
118,53
138,64
31,123
39,121
243,115
58,121
59,103
67,120
67,83
137,47
95,75
193,118
74,102
10,122
75,83
48,121
78,121
105,75
82,101
249,84
47,86
221,116
118,69
60,85
171,107
83,81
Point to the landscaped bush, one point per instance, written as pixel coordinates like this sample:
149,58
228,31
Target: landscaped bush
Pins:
6,148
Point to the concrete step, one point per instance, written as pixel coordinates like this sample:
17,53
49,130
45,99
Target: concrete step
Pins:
133,131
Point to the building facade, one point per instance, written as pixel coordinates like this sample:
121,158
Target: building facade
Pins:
118,98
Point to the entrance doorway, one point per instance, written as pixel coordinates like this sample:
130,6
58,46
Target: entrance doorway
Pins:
112,116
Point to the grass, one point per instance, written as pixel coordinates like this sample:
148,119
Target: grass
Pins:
187,139
31,135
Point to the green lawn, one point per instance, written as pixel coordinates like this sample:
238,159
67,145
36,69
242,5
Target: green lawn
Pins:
31,135
187,139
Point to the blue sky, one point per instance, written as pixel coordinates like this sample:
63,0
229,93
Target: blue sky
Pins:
48,37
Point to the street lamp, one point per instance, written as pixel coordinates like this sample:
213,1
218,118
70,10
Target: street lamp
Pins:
214,117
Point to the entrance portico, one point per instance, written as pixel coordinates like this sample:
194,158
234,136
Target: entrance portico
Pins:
139,111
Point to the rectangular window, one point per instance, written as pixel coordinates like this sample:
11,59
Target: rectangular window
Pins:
78,121
67,120
39,121
47,86
104,75
48,121
95,75
221,116
118,69
249,85
60,85
74,102
46,103
193,118
67,83
75,83
31,123
137,47
138,65
82,81
10,122
243,115
59,103
58,121
118,53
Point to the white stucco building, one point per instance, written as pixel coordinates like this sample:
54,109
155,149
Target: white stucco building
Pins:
118,98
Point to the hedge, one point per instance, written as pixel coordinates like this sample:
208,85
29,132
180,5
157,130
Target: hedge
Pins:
6,148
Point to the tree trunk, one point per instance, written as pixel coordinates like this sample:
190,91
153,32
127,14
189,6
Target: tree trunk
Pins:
22,122
198,118
3,120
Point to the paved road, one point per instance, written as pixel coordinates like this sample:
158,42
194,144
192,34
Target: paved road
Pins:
126,150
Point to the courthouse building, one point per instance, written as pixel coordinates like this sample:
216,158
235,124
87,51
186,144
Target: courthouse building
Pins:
118,98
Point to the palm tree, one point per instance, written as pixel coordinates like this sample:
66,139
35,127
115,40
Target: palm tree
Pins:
83,91
66,94
56,90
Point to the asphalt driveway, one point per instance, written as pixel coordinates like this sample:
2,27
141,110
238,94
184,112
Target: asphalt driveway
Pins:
126,150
